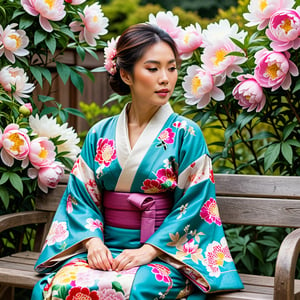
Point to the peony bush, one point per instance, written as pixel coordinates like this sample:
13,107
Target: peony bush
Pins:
37,145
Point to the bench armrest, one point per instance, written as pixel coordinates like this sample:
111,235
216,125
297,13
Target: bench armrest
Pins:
286,266
23,218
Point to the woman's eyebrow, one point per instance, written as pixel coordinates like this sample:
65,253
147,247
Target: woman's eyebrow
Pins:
158,62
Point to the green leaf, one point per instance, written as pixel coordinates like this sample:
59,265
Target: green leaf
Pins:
293,143
271,155
25,22
37,75
51,43
16,182
44,98
262,135
99,69
288,130
244,118
297,87
287,152
255,250
230,130
63,71
75,112
77,81
4,178
81,52
47,74
39,36
4,195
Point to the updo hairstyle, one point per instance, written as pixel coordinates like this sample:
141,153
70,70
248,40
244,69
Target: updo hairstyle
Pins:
131,46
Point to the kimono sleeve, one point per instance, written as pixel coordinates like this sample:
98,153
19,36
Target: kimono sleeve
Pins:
78,216
192,237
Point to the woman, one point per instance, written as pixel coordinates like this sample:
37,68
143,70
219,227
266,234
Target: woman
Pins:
138,219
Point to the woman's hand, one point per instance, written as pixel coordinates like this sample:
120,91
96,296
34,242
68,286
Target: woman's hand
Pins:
99,256
130,258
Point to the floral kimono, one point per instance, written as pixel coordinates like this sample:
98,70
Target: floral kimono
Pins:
171,157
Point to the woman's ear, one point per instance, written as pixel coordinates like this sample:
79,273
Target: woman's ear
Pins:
126,77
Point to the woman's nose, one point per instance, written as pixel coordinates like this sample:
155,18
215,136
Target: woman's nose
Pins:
164,79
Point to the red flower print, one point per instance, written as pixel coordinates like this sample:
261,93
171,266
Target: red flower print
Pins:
161,273
79,293
75,166
211,176
93,191
151,186
210,212
167,178
106,152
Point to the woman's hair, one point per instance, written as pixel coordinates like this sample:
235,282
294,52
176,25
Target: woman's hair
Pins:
131,46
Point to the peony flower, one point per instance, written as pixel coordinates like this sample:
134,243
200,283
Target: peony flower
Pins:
109,56
222,31
200,86
93,24
216,60
16,77
166,21
13,42
42,152
188,40
274,69
53,10
15,145
260,11
249,93
47,127
48,177
284,30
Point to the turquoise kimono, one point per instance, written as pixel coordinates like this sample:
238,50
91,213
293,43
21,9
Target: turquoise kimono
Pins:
170,156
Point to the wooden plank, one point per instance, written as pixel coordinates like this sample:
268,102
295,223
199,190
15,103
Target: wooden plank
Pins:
259,211
240,296
14,266
17,260
27,255
258,185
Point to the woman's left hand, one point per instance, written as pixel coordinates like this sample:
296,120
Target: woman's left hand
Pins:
130,258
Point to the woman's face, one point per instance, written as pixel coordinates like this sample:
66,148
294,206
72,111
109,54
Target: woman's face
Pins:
154,76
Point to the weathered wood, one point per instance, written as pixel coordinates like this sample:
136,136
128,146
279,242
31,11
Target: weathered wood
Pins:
242,199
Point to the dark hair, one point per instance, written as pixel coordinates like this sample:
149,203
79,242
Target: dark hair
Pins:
131,46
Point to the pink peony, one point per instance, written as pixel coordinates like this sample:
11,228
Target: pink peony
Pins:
260,11
17,78
200,86
13,42
284,30
249,93
166,21
109,56
42,152
47,10
274,69
15,143
75,2
93,24
188,40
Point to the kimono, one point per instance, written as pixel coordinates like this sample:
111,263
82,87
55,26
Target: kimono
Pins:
171,157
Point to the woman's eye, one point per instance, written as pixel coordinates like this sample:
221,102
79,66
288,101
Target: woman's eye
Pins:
152,69
172,69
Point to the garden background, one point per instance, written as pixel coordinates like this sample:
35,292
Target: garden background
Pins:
70,86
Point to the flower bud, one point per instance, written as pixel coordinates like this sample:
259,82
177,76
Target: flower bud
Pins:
25,109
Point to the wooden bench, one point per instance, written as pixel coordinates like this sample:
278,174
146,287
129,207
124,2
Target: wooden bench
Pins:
242,199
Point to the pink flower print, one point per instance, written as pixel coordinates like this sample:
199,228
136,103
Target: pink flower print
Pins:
151,186
75,167
166,137
161,273
189,250
216,255
92,224
93,191
210,212
70,201
111,294
167,178
82,293
57,233
106,152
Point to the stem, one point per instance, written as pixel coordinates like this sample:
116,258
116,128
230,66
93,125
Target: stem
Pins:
293,108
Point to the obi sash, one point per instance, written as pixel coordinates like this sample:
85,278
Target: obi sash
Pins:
145,212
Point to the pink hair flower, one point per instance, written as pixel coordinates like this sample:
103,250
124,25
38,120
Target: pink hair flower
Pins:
110,56
75,2
274,69
13,42
260,11
249,93
53,10
284,30
93,24
200,86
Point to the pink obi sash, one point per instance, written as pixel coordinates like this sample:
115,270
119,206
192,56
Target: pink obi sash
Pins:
136,211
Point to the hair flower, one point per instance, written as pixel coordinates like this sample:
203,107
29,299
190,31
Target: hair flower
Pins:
110,53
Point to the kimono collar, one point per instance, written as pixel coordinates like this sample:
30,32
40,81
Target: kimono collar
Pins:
130,159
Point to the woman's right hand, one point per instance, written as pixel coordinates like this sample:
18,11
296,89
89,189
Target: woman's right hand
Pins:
99,256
